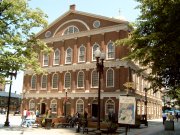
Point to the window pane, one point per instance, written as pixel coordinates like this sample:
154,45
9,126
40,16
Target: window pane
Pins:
56,57
67,80
33,82
68,55
94,79
110,79
94,49
44,81
82,54
46,60
80,79
55,81
111,50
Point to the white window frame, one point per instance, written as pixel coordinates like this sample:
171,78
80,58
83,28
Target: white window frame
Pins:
108,50
95,46
81,55
68,56
42,82
45,60
106,106
65,81
33,82
53,102
93,79
56,58
32,103
107,77
74,28
81,104
55,80
78,79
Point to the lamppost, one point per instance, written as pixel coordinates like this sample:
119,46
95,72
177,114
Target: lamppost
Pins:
6,123
65,103
100,56
145,90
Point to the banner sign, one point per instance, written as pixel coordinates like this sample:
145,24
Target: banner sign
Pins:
127,109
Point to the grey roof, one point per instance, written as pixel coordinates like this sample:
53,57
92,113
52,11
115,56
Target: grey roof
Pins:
6,94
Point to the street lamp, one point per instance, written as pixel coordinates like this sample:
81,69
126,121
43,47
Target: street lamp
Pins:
145,90
65,103
6,123
100,56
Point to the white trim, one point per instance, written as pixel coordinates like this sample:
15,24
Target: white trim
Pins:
107,50
42,82
44,59
87,33
92,51
69,28
71,56
106,105
65,79
73,20
92,78
53,79
83,79
82,104
54,56
107,78
84,54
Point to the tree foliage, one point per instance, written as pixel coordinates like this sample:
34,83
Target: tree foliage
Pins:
19,48
155,41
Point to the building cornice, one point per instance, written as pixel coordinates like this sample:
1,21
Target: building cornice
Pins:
87,33
86,66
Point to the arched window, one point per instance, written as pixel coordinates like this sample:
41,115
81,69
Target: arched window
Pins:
44,81
81,54
80,79
33,82
45,60
68,56
94,78
110,78
56,57
80,106
95,46
110,50
53,106
67,80
55,81
32,105
110,106
70,30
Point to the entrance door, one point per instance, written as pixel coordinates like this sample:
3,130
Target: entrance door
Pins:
94,110
43,108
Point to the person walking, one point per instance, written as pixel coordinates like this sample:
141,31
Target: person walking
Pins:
177,116
37,112
164,116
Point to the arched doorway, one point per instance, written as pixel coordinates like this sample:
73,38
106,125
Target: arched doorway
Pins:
94,108
42,107
67,108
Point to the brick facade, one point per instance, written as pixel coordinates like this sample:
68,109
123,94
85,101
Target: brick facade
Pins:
110,30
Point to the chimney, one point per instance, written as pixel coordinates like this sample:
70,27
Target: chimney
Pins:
73,7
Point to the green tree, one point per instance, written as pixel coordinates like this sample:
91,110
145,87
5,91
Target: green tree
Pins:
19,48
154,42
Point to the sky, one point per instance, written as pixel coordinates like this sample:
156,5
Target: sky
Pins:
56,8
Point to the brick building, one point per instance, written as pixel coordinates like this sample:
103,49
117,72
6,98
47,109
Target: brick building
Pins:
71,68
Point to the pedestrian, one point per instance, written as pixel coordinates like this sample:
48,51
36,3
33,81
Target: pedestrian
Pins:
49,113
164,116
37,112
24,114
177,116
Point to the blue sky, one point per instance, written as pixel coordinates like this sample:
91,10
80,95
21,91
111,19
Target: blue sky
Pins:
56,8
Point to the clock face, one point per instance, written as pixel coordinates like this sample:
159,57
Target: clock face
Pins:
96,24
47,34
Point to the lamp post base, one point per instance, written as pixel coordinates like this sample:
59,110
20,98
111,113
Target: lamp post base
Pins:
6,124
98,132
